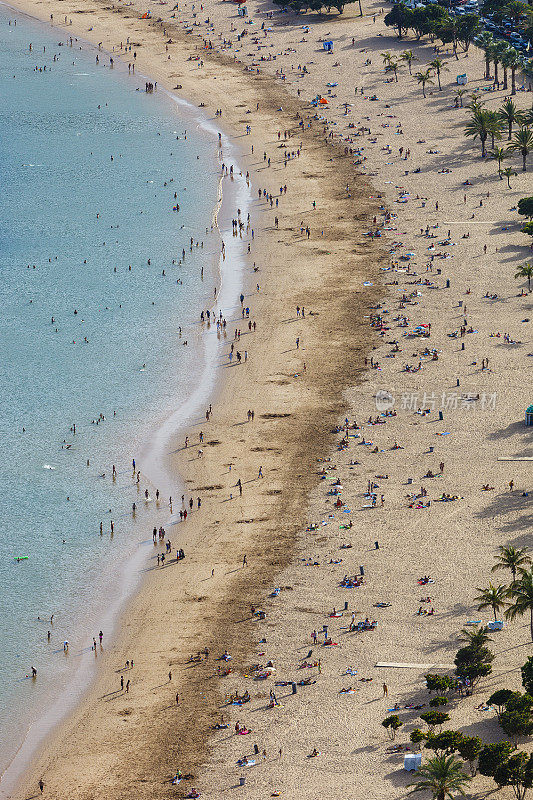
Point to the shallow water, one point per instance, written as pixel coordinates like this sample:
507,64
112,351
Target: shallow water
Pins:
83,162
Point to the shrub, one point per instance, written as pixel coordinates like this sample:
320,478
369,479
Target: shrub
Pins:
439,683
435,702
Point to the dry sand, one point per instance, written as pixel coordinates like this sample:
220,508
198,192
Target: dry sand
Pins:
130,745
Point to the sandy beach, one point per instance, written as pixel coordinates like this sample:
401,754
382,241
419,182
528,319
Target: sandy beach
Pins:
379,157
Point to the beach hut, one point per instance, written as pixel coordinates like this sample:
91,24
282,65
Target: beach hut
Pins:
327,46
462,80
529,416
242,11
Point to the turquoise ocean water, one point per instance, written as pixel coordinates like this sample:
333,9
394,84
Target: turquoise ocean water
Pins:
84,159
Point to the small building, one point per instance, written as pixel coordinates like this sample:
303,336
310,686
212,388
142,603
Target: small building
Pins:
327,46
242,11
462,80
529,416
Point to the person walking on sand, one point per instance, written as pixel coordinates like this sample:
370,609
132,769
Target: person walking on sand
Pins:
170,676
122,682
385,690
260,475
41,785
177,699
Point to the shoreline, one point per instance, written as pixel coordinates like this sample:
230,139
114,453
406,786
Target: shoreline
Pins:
84,675
66,723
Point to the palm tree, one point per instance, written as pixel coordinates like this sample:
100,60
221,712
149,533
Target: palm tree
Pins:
479,126
442,776
392,66
509,114
423,78
523,144
499,153
439,66
475,637
516,11
521,593
527,118
506,59
459,94
408,56
526,272
475,101
492,597
486,42
494,126
510,558
497,52
515,61
386,58
509,172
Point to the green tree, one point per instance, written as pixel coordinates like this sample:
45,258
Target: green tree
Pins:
434,719
427,19
517,719
506,59
522,143
439,66
517,772
469,748
478,126
492,756
517,11
499,49
459,94
448,33
492,597
525,271
400,17
423,78
473,663
468,27
392,724
475,637
486,42
510,115
494,126
509,172
515,61
408,56
522,598
392,66
527,676
444,743
417,736
499,699
525,207
510,557
442,776
499,153
528,228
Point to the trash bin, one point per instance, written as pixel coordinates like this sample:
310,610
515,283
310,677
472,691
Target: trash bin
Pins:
294,689
242,781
